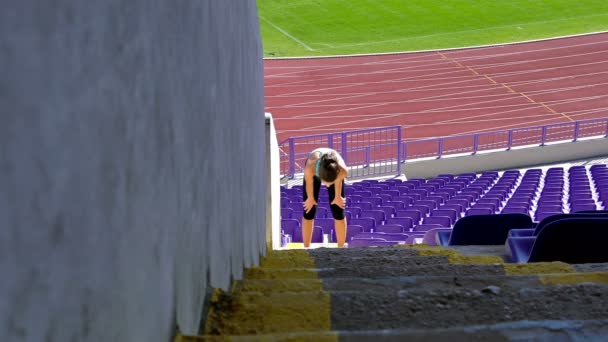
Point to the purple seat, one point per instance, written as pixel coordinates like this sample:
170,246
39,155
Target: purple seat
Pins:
407,200
322,212
363,205
362,193
374,200
513,210
411,239
449,213
403,189
430,237
389,211
353,198
496,195
351,230
367,223
286,213
399,237
392,193
425,227
421,192
582,207
493,201
444,195
487,229
413,214
479,211
549,207
429,203
423,209
405,222
377,215
395,205
385,197
317,234
550,198
570,240
464,203
370,243
442,221
354,210
490,206
326,224
389,228
456,207
542,215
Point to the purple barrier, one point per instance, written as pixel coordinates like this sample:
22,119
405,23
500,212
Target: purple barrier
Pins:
381,151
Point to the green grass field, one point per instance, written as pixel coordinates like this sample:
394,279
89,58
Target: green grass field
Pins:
333,27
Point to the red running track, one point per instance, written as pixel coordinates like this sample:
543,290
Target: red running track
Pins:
442,93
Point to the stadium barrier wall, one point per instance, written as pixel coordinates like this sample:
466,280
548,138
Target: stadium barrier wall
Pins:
382,151
512,159
273,188
132,164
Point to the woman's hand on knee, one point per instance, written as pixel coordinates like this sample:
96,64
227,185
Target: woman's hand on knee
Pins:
339,201
308,204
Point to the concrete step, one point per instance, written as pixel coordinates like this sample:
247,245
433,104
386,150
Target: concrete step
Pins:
544,330
280,312
478,282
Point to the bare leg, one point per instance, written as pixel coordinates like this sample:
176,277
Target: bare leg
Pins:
340,227
307,231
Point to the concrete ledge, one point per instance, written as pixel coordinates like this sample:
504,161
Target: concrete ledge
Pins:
513,159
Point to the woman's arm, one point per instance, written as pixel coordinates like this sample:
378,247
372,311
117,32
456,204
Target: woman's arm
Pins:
309,173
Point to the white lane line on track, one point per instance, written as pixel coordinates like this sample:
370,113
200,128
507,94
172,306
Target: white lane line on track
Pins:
276,27
422,57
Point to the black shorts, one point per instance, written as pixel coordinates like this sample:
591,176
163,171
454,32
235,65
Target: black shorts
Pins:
336,211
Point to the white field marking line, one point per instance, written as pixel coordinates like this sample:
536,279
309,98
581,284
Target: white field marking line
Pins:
287,34
463,31
587,35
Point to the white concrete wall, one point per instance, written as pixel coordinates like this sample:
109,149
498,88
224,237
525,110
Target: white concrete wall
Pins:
513,159
132,173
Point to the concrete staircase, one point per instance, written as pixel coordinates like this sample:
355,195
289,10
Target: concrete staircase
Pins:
414,293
